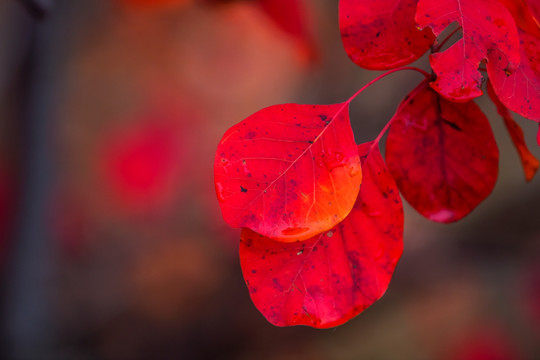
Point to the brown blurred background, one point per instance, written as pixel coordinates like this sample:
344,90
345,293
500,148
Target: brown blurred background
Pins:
112,245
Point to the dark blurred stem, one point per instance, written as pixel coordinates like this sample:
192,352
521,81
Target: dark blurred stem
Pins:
35,8
28,329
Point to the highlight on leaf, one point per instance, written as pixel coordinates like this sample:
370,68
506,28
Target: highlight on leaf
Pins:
380,35
442,154
534,8
529,162
288,172
329,279
487,26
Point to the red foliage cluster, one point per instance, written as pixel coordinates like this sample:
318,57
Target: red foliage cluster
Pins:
140,165
316,247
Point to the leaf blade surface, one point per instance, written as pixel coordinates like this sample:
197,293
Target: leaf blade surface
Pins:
379,35
327,280
486,25
442,154
519,91
528,160
289,171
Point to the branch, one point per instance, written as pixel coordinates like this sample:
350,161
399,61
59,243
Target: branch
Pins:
37,8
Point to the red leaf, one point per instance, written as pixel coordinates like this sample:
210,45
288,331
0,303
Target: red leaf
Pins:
522,15
442,154
534,7
487,26
529,162
141,164
290,16
487,341
288,172
379,35
332,277
538,135
519,91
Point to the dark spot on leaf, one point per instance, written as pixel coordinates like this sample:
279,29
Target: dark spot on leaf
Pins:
451,124
277,284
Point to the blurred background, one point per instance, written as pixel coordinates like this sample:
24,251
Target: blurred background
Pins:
112,245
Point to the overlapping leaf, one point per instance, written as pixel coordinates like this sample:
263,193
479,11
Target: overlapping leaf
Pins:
529,162
442,154
521,12
326,280
289,172
487,26
520,90
381,34
534,7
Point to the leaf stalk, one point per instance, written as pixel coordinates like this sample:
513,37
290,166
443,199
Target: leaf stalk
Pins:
426,75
